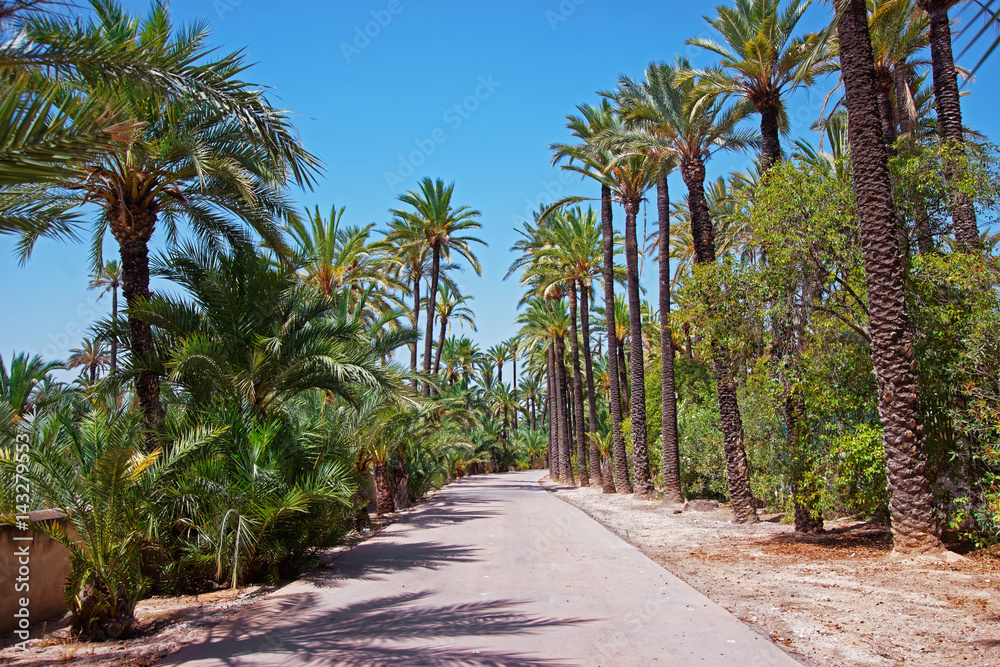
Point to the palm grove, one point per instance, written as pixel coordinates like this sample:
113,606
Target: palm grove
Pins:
822,345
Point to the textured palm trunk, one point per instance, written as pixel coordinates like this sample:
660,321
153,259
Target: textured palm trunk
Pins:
383,489
135,278
622,484
949,114
623,376
416,327
440,345
670,460
637,399
565,448
596,471
886,105
607,477
770,147
555,469
431,302
114,323
737,468
581,440
915,524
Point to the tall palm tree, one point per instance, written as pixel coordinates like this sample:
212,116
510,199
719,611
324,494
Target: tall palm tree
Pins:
691,129
762,61
337,258
190,161
949,115
109,279
588,159
574,245
20,384
443,229
914,521
92,356
451,307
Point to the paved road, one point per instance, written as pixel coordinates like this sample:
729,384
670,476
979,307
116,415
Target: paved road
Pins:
493,571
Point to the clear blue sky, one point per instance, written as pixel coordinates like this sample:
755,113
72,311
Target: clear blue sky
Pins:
381,112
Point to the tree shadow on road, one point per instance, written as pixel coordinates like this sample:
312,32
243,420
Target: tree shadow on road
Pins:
375,632
373,561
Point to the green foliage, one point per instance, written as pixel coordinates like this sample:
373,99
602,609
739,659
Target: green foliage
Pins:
858,467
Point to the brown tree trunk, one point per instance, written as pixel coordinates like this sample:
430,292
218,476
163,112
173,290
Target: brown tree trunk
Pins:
565,448
416,327
581,439
135,276
738,471
431,302
770,147
949,114
596,471
114,324
640,453
915,524
670,460
623,376
440,346
555,466
383,489
622,484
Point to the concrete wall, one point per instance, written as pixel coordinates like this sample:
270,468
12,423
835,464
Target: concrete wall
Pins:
48,564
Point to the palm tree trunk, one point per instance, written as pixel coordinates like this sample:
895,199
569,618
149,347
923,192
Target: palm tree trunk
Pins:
911,506
555,470
416,327
114,324
431,302
565,448
640,452
623,376
581,440
887,113
949,114
383,489
135,276
622,484
440,345
670,461
770,147
596,473
737,469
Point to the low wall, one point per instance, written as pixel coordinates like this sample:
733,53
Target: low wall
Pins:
47,566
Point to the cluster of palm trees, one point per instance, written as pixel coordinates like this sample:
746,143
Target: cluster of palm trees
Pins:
231,427
675,119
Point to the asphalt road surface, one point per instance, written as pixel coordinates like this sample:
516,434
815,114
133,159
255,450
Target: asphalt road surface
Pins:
493,571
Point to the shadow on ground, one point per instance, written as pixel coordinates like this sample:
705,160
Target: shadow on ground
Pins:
370,632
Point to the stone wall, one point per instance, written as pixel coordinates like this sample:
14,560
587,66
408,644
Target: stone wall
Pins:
48,565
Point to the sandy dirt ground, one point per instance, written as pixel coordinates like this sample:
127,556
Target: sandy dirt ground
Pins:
834,599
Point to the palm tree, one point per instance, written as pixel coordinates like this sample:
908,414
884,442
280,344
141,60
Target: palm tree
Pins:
949,115
762,61
498,355
588,159
443,229
547,323
189,161
336,258
451,307
574,245
20,385
256,338
92,356
914,522
691,129
109,277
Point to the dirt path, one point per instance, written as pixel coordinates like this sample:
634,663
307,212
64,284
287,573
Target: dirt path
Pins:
833,599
